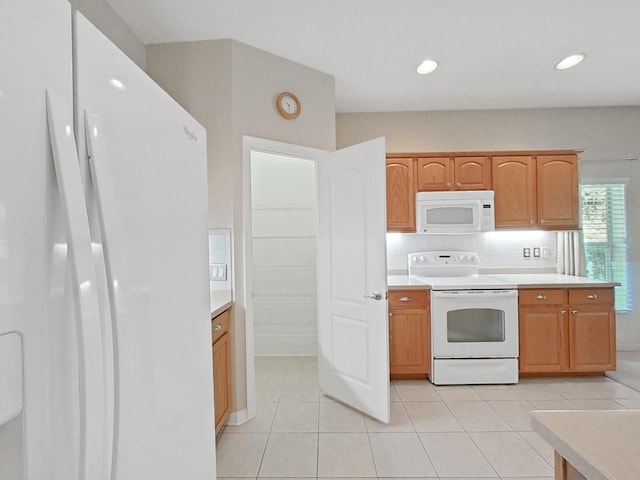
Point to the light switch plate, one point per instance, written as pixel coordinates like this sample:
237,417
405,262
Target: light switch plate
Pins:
218,272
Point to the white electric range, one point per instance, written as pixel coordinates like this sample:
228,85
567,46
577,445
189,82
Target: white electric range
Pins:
474,320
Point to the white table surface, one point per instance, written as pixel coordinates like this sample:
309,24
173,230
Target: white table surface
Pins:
602,445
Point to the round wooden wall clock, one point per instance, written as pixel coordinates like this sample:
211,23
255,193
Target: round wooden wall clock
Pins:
288,105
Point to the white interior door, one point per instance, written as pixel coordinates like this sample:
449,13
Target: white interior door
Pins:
353,356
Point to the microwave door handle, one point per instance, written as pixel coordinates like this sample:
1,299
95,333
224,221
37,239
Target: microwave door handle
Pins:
479,219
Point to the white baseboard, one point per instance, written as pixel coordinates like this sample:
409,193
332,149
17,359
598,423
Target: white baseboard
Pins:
237,418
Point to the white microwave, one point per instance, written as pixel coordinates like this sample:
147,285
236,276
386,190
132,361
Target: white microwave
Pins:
467,211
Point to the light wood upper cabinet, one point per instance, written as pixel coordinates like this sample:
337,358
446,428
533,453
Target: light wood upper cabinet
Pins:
401,195
533,189
557,180
434,174
472,173
514,183
539,191
454,173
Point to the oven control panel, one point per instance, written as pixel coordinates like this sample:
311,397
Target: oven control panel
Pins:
443,263
444,258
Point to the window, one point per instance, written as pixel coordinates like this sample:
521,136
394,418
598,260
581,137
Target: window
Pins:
605,236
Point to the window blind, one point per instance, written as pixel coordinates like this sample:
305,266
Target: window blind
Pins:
604,225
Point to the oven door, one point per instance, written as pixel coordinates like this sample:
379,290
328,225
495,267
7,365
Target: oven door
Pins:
474,323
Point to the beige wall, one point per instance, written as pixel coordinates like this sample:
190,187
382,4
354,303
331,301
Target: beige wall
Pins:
608,133
100,13
231,89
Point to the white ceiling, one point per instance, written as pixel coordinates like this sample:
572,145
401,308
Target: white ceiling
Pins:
492,53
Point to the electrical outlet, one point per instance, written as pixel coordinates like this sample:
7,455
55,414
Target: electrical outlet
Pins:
546,252
536,252
526,252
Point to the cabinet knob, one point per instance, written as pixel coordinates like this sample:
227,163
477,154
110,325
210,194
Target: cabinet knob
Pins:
542,220
563,312
449,185
217,328
390,314
575,312
592,296
405,299
458,184
532,221
541,297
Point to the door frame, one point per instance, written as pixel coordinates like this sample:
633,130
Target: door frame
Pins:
249,145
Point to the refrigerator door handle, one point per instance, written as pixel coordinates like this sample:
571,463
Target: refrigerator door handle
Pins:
84,285
109,223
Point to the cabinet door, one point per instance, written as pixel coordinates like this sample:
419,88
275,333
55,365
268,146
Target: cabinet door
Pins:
472,173
557,183
514,183
221,380
543,339
592,338
401,195
435,174
409,341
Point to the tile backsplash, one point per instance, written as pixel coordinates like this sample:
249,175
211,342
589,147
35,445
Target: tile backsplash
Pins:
220,254
501,249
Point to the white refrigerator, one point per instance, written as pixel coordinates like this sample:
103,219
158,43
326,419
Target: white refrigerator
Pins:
105,338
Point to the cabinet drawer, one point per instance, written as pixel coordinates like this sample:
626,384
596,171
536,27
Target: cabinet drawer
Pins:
409,298
591,296
546,296
220,325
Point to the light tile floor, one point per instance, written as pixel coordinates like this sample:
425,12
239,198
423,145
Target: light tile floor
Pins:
453,432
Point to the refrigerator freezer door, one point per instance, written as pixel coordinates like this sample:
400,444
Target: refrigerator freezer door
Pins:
35,295
156,156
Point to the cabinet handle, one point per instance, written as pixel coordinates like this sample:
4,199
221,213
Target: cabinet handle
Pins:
532,221
575,312
563,312
217,328
542,220
592,296
405,299
541,297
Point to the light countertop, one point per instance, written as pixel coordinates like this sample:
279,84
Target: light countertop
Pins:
220,301
602,445
522,280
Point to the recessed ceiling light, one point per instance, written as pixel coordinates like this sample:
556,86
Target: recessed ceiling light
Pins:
117,84
427,66
570,61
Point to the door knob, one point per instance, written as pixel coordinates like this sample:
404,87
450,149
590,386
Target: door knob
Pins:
374,295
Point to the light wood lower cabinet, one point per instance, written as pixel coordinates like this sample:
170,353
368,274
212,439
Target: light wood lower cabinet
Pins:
221,368
567,331
409,334
401,195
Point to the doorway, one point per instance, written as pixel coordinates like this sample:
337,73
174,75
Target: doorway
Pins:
352,328
280,267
